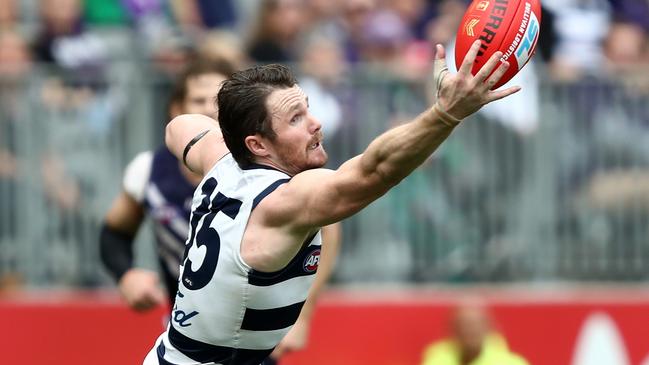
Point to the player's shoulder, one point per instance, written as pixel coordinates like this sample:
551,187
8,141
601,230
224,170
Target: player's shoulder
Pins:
311,177
137,174
304,182
285,199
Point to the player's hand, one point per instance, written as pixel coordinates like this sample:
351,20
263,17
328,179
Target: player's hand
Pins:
463,94
295,340
140,288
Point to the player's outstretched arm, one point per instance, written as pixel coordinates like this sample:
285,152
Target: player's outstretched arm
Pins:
321,197
196,140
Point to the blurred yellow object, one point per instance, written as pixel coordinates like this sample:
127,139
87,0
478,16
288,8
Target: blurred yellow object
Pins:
494,352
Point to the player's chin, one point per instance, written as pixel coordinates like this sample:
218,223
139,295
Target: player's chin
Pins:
318,158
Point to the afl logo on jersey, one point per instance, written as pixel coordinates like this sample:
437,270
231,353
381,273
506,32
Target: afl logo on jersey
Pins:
311,261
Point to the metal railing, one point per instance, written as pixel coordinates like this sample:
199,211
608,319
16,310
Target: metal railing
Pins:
560,195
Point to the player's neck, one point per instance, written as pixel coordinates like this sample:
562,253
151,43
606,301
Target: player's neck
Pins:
267,161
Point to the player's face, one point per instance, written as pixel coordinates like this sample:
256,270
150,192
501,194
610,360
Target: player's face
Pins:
201,91
298,141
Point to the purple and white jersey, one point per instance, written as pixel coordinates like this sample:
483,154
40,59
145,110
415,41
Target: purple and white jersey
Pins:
154,179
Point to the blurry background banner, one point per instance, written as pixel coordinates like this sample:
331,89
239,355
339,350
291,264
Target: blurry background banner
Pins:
359,327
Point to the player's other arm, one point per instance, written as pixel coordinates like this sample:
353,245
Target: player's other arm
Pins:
196,140
321,197
138,287
120,226
331,238
297,338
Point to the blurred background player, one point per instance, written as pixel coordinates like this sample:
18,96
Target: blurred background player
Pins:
472,341
157,184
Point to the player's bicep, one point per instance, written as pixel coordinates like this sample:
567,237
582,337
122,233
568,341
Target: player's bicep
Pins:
196,140
321,197
343,193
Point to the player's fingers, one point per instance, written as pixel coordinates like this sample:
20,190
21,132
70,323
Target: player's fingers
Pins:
497,75
497,95
439,67
467,63
488,67
440,52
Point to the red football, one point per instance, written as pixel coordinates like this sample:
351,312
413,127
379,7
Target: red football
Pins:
509,26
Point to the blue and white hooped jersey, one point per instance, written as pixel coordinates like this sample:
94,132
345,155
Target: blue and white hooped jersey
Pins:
226,312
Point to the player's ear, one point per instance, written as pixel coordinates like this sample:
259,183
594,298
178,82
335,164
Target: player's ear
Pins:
257,146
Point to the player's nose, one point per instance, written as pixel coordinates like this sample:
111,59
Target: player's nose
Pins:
314,124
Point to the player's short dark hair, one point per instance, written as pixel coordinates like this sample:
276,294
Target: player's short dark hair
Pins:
199,67
242,106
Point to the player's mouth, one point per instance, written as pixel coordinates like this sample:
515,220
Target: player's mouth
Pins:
316,142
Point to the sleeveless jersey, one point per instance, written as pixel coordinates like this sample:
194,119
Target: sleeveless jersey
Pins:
226,312
155,181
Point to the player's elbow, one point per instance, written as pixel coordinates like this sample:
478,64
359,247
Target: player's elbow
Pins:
170,133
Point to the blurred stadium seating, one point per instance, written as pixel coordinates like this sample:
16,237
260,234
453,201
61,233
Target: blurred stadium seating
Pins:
567,201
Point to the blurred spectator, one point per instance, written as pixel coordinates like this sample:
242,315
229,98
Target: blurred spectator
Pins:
385,36
106,12
15,64
627,56
626,45
410,11
63,40
322,67
417,14
15,58
78,105
387,43
548,36
322,11
472,341
581,27
611,177
632,11
186,15
8,13
222,44
279,24
355,15
442,28
217,14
